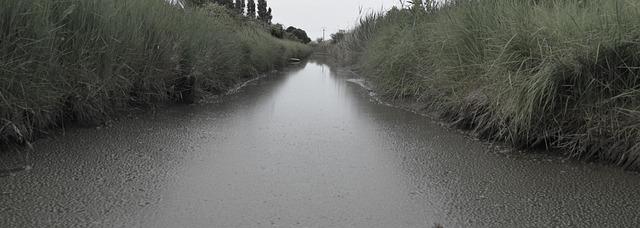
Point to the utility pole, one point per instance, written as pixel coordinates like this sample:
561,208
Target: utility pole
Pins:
323,29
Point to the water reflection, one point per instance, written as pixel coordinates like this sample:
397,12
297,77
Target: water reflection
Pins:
311,143
300,147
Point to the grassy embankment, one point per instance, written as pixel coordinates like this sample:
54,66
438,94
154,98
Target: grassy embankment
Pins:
562,75
86,60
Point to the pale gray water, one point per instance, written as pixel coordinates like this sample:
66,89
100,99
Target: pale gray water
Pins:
303,149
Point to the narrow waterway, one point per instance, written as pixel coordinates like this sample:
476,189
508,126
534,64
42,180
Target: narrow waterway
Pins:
305,148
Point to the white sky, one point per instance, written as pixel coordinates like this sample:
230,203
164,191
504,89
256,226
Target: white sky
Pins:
313,15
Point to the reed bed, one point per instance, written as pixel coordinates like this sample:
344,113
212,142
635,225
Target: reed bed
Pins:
553,74
88,60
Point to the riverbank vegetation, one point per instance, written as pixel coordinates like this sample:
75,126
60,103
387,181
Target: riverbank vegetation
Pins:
87,60
560,75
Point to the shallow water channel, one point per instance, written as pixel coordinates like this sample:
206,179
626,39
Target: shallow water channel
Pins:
303,148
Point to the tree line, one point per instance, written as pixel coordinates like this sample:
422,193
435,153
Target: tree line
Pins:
261,12
248,8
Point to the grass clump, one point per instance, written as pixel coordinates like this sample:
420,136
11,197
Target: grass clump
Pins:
556,74
85,60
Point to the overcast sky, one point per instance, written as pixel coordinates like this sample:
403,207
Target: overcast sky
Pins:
313,15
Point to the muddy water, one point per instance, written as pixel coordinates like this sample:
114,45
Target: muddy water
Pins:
305,148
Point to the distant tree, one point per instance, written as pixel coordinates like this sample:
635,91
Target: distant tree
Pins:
239,7
251,9
262,10
269,17
277,30
290,29
299,34
302,35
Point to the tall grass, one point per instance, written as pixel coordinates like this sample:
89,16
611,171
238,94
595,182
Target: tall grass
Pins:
85,60
558,74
